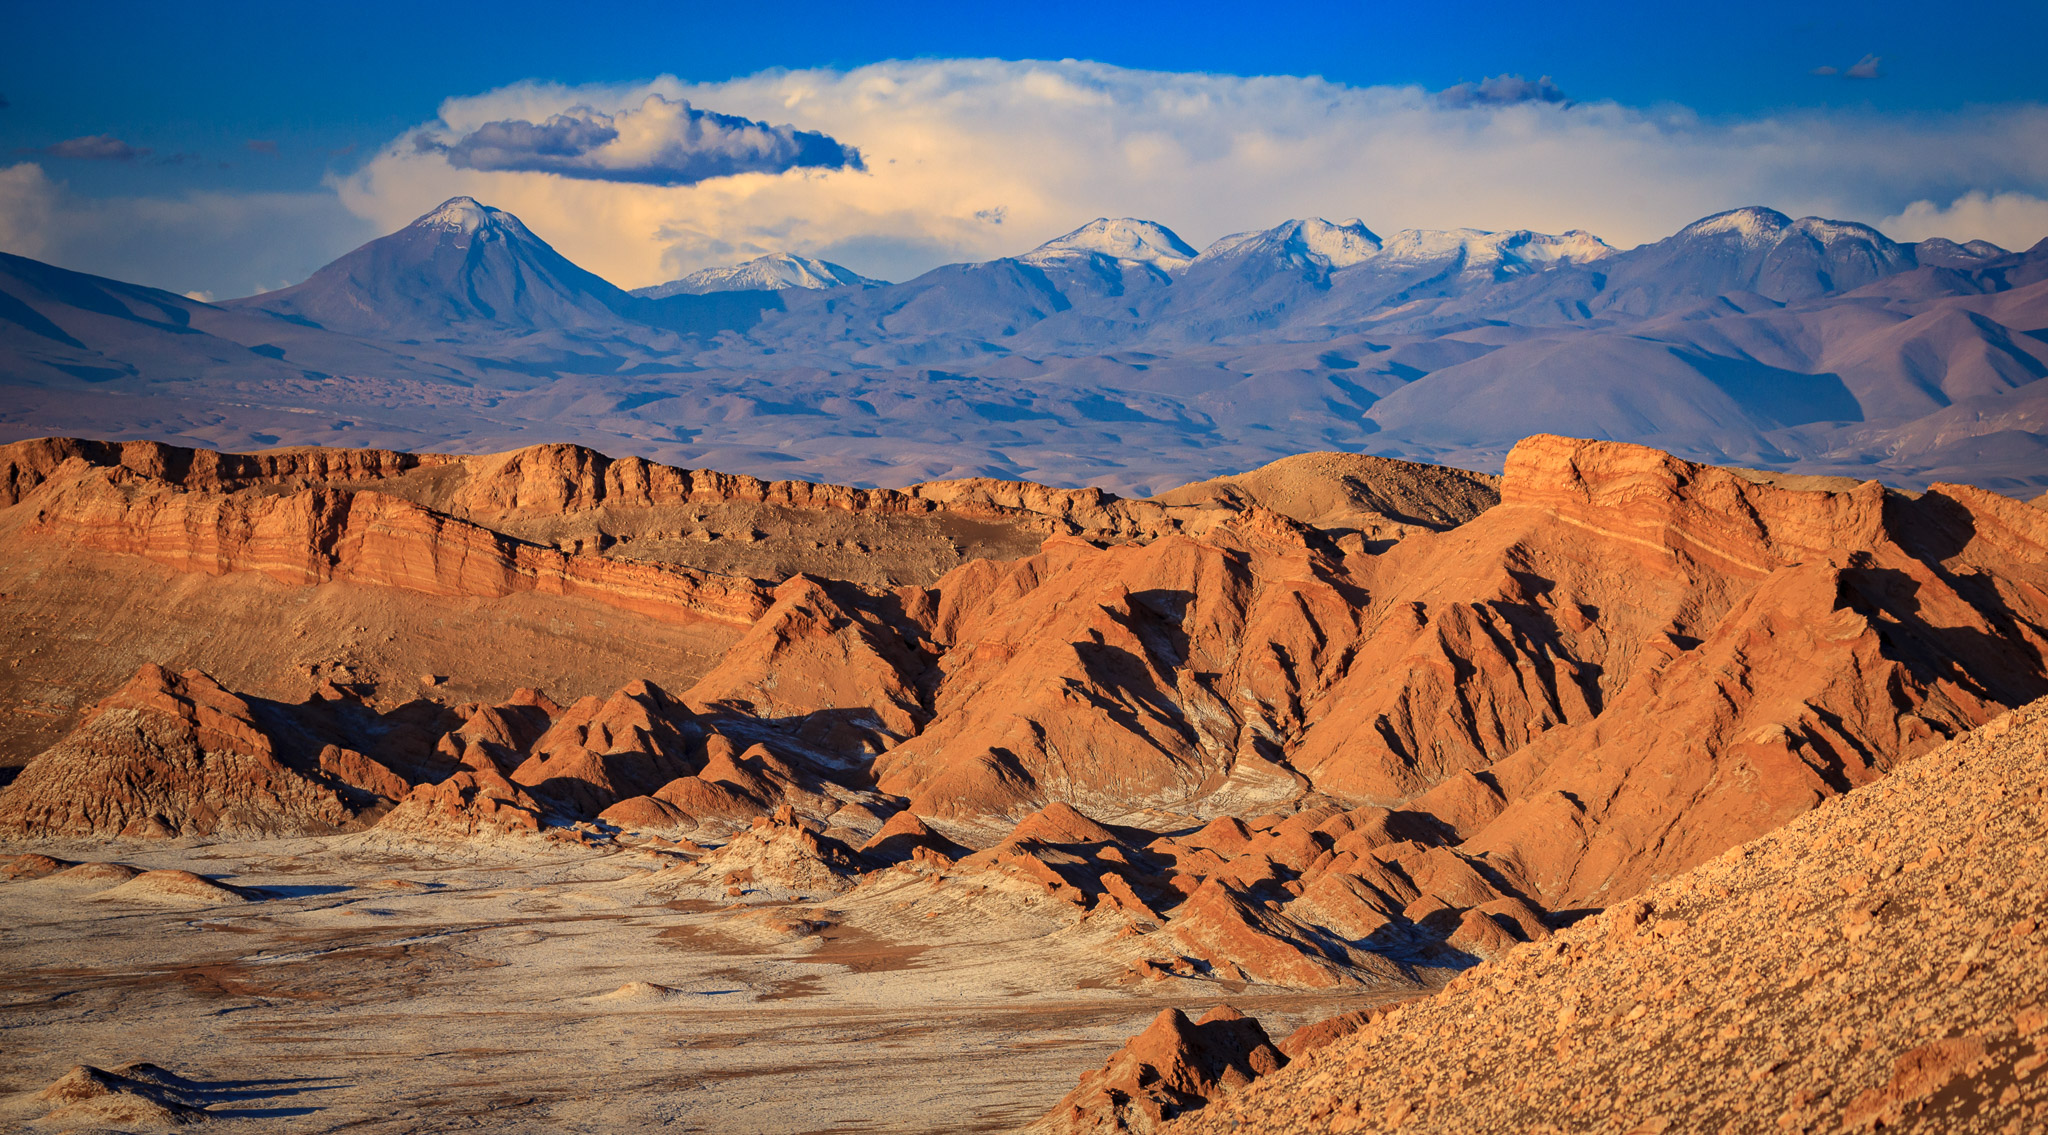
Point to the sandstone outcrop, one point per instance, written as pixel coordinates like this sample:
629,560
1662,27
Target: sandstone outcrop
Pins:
358,534
1173,1068
169,755
1377,498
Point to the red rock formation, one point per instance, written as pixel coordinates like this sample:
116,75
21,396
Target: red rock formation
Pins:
1501,670
813,656
319,534
599,752
477,801
1624,667
902,836
782,852
1173,1068
169,755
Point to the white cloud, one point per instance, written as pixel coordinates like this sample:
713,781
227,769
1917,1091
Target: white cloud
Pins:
27,201
951,145
2011,220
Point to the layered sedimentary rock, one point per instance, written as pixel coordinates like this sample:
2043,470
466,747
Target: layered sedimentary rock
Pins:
576,499
314,535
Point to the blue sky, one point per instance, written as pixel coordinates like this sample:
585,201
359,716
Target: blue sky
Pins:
288,103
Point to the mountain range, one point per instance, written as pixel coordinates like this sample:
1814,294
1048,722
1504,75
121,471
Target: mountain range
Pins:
1117,355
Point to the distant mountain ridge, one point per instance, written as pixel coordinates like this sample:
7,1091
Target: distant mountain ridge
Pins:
769,273
1115,354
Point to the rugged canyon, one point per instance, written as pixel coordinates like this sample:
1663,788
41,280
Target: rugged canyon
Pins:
1313,738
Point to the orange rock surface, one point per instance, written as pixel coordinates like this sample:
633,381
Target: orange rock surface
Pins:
1270,748
173,754
1174,1067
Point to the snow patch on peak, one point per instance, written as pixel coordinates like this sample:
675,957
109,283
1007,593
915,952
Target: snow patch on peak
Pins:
773,272
1417,246
1122,238
459,214
1337,245
1752,224
1839,232
1575,246
1480,251
1311,240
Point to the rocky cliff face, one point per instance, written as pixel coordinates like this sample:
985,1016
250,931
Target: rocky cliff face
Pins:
1277,751
317,534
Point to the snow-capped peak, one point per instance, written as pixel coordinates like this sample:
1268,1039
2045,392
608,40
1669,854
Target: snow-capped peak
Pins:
773,272
1514,248
1752,225
459,214
1312,240
1122,238
1337,245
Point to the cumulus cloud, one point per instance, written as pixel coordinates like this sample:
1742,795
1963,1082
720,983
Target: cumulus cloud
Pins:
950,145
661,141
27,202
2010,220
1501,90
95,148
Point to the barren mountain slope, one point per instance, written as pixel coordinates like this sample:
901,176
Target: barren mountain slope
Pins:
1880,962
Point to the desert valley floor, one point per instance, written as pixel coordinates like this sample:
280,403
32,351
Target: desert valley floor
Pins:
385,989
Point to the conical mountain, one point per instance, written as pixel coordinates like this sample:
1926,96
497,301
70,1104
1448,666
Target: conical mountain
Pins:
462,269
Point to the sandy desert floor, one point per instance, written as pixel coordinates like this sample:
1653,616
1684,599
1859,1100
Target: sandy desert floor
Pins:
379,987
